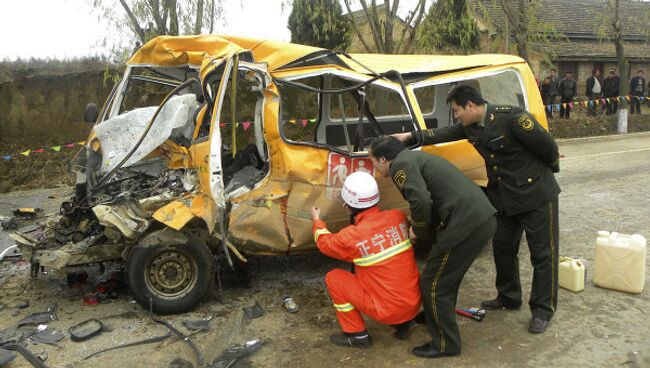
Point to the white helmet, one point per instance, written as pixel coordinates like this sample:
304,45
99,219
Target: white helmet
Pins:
360,190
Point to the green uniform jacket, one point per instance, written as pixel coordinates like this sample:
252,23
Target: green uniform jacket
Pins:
520,157
445,205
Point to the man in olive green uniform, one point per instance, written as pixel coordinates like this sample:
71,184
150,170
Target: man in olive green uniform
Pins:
446,207
520,158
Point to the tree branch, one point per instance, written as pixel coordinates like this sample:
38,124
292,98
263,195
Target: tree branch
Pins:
356,26
389,24
211,16
506,10
134,21
374,29
198,25
154,7
173,18
409,19
419,10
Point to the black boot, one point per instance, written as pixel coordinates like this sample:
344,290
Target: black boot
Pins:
355,340
537,325
428,351
498,303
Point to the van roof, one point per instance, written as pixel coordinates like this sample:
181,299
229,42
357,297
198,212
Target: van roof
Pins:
184,50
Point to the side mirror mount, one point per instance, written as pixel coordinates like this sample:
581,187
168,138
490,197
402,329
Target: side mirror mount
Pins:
91,113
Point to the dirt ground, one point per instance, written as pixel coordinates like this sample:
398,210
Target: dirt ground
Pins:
605,185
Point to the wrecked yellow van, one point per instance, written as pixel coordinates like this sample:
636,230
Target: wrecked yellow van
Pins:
218,147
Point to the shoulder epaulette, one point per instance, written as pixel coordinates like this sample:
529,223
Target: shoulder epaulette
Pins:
503,109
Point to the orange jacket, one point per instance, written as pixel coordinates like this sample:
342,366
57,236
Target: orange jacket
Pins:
378,244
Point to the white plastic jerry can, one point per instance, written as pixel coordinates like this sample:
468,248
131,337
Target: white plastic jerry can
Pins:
619,263
572,274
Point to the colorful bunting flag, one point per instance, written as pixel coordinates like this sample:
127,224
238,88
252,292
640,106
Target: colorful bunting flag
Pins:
304,122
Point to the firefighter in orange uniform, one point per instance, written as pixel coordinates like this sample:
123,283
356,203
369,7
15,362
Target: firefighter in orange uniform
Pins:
385,283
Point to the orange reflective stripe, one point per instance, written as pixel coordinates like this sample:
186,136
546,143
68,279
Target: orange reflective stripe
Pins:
384,254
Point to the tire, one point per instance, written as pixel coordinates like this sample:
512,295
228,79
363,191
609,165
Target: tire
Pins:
175,277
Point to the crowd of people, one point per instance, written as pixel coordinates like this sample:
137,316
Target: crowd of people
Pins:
597,89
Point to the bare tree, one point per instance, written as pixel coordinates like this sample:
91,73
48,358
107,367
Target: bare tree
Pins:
525,23
150,18
382,26
611,29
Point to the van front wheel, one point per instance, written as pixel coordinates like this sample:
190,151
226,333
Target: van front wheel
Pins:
173,278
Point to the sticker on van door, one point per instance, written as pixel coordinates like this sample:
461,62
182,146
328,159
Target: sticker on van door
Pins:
363,164
339,167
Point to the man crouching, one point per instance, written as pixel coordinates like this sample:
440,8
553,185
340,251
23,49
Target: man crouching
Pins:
384,285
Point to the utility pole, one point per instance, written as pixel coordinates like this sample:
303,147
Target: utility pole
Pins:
622,67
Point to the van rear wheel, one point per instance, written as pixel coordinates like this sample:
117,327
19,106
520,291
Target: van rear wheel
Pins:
173,278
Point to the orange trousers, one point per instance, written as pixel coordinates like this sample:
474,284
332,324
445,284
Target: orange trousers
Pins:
351,299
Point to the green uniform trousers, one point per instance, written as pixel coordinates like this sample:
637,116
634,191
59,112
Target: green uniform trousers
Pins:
440,280
541,226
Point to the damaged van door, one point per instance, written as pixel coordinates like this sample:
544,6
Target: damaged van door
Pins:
172,269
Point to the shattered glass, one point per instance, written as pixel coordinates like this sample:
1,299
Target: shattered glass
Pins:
118,134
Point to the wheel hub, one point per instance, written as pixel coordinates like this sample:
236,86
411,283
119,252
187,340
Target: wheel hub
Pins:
171,273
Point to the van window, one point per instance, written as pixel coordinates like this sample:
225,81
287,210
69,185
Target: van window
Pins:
243,153
147,87
426,98
502,88
314,117
300,111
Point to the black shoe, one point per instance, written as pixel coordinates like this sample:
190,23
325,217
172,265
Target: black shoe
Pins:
355,340
537,325
498,303
404,330
427,351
